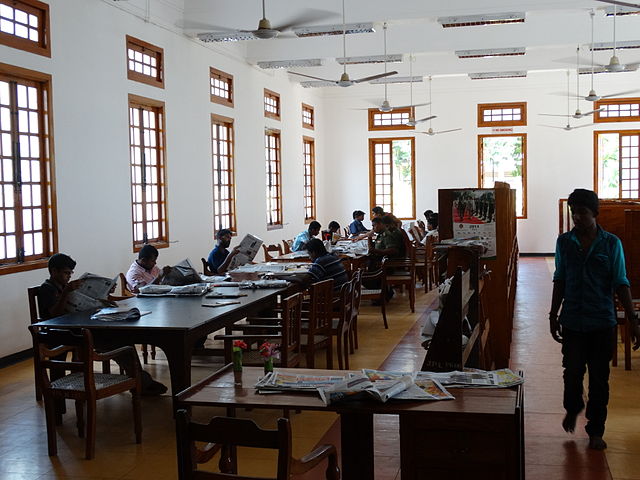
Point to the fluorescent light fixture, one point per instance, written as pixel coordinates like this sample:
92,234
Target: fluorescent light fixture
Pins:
317,84
396,79
226,36
483,19
488,75
391,58
303,62
324,30
490,52
619,45
622,11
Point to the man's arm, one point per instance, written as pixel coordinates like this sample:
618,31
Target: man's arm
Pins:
57,308
556,300
222,269
624,297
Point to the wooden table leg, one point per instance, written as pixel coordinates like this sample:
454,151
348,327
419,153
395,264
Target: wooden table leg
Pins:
356,436
179,359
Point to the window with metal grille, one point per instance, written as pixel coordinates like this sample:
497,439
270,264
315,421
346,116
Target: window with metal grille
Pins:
221,87
309,160
147,151
27,201
24,24
502,114
145,62
271,104
395,120
308,120
273,179
224,204
617,164
617,110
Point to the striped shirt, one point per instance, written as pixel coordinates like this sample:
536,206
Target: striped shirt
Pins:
329,266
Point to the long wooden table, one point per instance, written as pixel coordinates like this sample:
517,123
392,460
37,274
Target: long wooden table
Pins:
174,325
480,431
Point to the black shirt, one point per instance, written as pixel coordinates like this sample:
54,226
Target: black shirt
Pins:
48,296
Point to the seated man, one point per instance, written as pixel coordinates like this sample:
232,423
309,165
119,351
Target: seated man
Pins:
432,228
420,223
356,227
334,227
325,266
52,299
220,257
144,270
387,244
394,236
303,237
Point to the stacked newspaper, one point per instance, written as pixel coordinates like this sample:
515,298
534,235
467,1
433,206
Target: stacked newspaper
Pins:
280,381
196,289
502,378
118,314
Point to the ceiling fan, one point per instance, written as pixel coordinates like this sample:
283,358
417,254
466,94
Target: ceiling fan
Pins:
430,131
345,80
568,127
264,31
578,114
623,4
412,122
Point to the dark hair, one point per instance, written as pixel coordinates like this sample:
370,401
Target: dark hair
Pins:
315,226
58,261
428,213
222,232
378,210
334,224
357,213
375,220
388,220
316,247
433,220
584,198
148,251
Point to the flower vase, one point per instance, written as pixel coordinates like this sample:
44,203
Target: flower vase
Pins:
268,365
237,360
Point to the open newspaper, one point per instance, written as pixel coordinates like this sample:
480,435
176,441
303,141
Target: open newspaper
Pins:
296,382
93,293
182,273
248,249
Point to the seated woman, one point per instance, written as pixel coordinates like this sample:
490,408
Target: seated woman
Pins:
330,234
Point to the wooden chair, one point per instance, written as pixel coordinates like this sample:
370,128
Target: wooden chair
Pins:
286,246
205,267
355,310
32,295
82,385
402,272
347,232
224,434
125,293
341,324
285,331
316,327
268,249
374,287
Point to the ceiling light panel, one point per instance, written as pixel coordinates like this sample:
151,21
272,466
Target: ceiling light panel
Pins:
324,30
490,52
392,58
484,19
304,62
396,79
619,45
622,11
489,75
317,84
226,37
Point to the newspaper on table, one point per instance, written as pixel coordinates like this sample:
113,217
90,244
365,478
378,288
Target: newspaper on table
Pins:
264,283
248,249
274,267
93,293
194,290
296,382
182,273
473,378
118,314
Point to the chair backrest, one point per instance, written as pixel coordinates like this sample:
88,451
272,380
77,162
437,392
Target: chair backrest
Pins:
415,233
346,305
347,232
271,248
291,315
205,267
286,246
357,292
32,295
124,286
320,310
226,432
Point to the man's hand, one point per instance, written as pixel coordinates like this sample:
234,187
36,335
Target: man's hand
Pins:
555,328
166,269
74,285
235,251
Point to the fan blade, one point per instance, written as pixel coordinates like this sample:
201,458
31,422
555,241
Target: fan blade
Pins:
426,118
592,112
310,16
374,77
581,126
311,76
553,126
623,4
554,115
584,62
447,131
619,94
415,105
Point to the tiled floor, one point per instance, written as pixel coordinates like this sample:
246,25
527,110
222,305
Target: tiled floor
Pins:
551,454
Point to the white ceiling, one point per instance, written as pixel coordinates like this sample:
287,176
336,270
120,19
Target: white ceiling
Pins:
551,32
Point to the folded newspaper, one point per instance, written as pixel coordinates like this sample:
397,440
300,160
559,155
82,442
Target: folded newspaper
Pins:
296,382
470,378
194,290
118,314
93,293
275,283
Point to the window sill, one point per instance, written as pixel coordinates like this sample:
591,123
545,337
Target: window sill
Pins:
23,267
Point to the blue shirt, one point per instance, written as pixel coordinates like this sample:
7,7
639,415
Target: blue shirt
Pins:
301,241
329,266
590,280
357,227
217,257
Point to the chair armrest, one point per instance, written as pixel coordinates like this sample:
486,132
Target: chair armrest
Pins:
99,357
313,458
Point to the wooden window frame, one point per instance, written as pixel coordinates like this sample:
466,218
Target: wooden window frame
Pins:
499,106
372,173
524,215
41,11
615,101
136,101
228,78
227,123
374,111
312,178
47,171
308,108
271,94
596,163
278,223
148,49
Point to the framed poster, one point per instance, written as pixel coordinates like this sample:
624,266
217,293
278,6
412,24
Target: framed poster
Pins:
474,218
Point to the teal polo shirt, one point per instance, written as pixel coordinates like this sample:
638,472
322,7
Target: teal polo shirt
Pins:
590,280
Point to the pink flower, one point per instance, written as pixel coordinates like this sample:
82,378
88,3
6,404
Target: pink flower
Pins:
270,350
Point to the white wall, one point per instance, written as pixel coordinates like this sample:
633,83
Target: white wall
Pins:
557,161
90,95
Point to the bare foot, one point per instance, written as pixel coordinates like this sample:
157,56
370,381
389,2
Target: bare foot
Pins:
597,443
569,423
